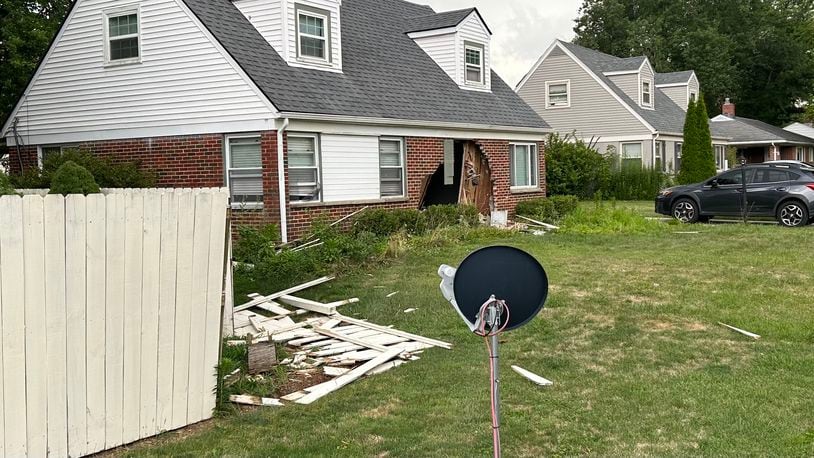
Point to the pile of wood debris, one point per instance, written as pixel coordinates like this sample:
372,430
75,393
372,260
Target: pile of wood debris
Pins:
319,339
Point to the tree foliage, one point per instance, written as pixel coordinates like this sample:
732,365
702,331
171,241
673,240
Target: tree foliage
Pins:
107,173
758,52
697,155
574,168
26,30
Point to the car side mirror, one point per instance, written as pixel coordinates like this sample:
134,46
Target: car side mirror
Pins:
714,183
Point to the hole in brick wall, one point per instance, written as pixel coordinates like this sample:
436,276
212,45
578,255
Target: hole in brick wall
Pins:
438,193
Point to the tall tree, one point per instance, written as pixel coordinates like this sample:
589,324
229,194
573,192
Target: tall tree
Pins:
758,52
697,156
26,30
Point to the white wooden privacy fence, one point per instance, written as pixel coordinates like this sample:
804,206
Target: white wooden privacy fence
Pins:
110,306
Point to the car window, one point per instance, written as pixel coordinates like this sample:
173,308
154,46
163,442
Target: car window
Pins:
770,176
733,177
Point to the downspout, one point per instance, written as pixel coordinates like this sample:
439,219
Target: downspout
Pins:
281,180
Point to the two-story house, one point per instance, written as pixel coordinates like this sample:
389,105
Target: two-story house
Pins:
300,107
620,105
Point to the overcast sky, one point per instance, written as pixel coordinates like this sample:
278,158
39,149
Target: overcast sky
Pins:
522,29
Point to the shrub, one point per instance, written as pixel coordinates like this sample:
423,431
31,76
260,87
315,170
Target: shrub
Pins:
254,244
6,189
106,173
384,222
574,168
635,183
72,178
603,219
548,209
451,215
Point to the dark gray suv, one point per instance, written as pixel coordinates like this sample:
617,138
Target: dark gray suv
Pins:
785,192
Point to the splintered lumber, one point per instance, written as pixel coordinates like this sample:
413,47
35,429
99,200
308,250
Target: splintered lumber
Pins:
550,227
353,340
333,371
746,333
279,294
395,332
293,396
254,400
352,300
318,391
386,367
346,217
307,304
532,376
262,357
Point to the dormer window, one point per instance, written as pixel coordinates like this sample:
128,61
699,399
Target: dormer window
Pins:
122,43
647,94
312,34
474,63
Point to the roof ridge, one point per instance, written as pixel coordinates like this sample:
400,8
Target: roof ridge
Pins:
600,52
435,13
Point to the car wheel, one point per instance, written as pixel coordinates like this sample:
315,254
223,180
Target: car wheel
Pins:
686,211
792,214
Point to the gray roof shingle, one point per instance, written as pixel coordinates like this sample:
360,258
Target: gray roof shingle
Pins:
667,117
674,77
745,130
440,20
396,81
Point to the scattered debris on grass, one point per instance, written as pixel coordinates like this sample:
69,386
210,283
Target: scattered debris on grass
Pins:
409,310
546,226
532,376
327,350
392,294
741,331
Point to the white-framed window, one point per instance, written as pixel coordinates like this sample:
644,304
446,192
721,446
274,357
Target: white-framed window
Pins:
558,94
44,152
647,93
811,154
658,155
801,153
122,36
312,35
632,154
391,167
679,147
720,157
473,63
693,95
303,168
244,170
523,165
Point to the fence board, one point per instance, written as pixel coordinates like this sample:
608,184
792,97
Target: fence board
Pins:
166,313
183,308
35,355
200,267
75,240
133,246
55,325
149,312
96,262
13,316
114,320
110,316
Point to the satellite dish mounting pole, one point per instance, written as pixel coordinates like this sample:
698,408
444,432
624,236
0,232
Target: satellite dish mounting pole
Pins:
493,313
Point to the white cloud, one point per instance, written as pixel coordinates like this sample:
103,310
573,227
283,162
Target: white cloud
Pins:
522,29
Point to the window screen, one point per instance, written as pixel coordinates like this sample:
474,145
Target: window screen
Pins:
303,168
391,167
245,170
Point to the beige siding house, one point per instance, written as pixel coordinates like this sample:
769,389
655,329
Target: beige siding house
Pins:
620,105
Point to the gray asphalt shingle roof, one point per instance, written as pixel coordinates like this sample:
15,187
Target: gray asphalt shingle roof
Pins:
674,77
667,117
440,20
744,130
385,74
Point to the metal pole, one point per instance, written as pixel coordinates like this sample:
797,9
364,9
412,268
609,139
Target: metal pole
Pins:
744,201
496,385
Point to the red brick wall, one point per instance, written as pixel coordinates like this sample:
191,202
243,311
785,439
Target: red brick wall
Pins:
197,161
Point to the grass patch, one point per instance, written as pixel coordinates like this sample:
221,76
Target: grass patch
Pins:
608,218
629,337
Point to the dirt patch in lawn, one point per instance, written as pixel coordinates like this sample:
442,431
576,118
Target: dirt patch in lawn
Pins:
300,380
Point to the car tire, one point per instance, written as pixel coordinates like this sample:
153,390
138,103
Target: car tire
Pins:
686,211
792,213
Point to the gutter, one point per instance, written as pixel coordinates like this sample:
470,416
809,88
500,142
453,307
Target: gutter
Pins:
281,181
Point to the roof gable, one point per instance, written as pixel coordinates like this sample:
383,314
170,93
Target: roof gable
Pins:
447,19
397,81
674,78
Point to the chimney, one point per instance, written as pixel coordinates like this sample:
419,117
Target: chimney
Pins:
728,108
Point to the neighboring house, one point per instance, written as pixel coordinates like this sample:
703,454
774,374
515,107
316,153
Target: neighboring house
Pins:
620,104
300,107
758,141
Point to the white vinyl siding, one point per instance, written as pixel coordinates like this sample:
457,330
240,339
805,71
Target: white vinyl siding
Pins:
523,165
183,84
441,48
472,30
303,167
558,94
267,17
677,94
593,110
632,154
350,168
244,171
391,167
629,84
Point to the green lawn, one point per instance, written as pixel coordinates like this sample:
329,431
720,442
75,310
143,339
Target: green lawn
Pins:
629,337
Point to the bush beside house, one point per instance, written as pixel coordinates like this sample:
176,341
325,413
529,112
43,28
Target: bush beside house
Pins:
72,178
106,173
